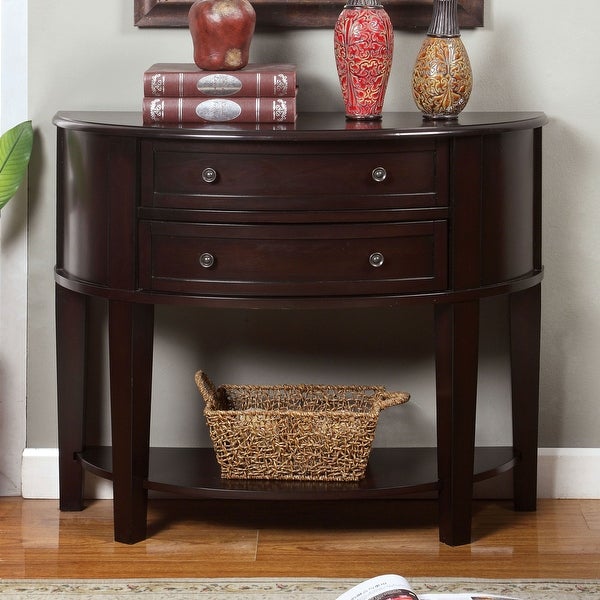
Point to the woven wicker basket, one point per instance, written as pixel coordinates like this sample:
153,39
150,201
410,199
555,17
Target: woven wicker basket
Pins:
301,432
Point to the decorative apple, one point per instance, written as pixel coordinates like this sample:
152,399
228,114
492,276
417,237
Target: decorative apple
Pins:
222,31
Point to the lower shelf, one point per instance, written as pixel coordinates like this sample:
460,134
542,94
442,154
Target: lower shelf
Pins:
391,472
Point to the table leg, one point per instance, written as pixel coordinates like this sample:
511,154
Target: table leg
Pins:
525,309
71,319
130,349
457,350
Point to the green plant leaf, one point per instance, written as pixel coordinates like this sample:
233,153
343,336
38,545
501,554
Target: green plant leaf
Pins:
15,150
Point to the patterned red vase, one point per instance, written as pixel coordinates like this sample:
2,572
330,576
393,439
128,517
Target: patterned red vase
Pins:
363,44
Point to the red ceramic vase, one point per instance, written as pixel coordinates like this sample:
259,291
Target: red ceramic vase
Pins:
364,45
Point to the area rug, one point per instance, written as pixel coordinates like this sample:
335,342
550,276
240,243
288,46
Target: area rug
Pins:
273,589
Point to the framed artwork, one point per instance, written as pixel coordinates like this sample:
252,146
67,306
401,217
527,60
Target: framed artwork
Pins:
405,14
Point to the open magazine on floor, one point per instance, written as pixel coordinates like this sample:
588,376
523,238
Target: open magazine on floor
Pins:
395,587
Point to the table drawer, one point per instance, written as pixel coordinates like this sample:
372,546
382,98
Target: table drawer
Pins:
293,260
255,180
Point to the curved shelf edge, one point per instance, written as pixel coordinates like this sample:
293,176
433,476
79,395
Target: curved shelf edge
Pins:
392,472
73,284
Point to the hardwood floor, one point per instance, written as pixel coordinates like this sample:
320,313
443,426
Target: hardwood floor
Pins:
231,539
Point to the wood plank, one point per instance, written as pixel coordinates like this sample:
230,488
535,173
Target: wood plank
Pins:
191,538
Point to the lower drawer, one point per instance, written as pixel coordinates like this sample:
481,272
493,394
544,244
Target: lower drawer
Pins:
293,260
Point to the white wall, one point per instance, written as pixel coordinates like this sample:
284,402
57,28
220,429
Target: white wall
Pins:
534,55
13,254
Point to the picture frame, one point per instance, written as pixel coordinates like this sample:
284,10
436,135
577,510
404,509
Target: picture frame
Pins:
405,14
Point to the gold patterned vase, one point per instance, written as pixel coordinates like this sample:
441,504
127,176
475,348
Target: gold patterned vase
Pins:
364,45
442,77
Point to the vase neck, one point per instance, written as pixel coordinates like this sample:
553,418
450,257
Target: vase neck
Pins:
363,4
444,22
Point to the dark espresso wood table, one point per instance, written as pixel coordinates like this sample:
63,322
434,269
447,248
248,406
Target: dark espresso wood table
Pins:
326,213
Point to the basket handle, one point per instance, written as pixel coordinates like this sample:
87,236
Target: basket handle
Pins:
388,399
206,388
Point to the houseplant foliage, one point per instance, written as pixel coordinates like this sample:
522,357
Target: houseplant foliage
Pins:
15,150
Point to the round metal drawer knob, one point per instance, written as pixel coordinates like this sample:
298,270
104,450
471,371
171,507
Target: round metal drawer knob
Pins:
379,174
207,260
376,259
209,175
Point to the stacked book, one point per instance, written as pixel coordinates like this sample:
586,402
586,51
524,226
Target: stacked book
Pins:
184,93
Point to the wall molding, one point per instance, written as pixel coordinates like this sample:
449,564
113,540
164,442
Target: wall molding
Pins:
562,473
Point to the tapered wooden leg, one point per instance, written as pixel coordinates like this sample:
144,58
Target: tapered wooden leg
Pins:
457,349
130,349
525,308
71,319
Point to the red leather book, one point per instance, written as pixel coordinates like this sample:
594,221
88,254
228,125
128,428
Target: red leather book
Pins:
219,110
253,81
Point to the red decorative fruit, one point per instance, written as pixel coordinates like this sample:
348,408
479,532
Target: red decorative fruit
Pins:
221,31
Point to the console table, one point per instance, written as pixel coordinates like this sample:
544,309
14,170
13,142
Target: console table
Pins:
323,213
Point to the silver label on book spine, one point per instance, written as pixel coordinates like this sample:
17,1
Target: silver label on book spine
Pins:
157,110
218,110
157,84
219,84
280,84
280,110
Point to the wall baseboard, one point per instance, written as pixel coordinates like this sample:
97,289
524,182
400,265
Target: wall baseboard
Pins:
562,473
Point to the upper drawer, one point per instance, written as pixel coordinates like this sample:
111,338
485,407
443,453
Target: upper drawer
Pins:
293,176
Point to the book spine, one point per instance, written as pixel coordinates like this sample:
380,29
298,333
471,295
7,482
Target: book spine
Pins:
240,110
220,85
